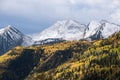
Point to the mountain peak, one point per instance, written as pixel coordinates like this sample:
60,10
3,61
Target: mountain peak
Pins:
102,29
9,38
66,23
7,29
93,24
92,28
9,26
107,22
65,29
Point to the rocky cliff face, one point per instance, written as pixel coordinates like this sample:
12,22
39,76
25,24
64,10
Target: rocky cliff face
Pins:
9,37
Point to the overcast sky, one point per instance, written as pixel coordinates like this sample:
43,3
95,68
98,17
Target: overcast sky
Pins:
31,16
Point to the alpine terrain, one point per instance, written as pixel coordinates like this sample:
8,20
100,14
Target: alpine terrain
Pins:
73,30
68,60
10,37
66,29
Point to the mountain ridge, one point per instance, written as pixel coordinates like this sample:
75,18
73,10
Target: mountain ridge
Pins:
65,30
10,37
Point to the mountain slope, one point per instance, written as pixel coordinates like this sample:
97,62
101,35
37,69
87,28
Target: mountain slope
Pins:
99,60
72,30
103,29
48,41
66,29
10,37
16,64
70,60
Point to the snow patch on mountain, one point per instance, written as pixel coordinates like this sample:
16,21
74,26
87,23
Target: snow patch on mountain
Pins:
10,37
72,30
92,28
66,29
108,29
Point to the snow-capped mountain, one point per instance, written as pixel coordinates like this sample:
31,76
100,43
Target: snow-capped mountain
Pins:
102,29
66,29
92,29
10,37
72,30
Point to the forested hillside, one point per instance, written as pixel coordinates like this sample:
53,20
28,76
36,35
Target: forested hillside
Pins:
68,60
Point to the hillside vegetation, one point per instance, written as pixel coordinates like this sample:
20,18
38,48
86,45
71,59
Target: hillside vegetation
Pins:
69,60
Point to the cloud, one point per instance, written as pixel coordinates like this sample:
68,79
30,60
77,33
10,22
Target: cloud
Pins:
115,16
46,10
72,1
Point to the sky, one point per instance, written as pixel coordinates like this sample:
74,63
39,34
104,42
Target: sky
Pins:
33,16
